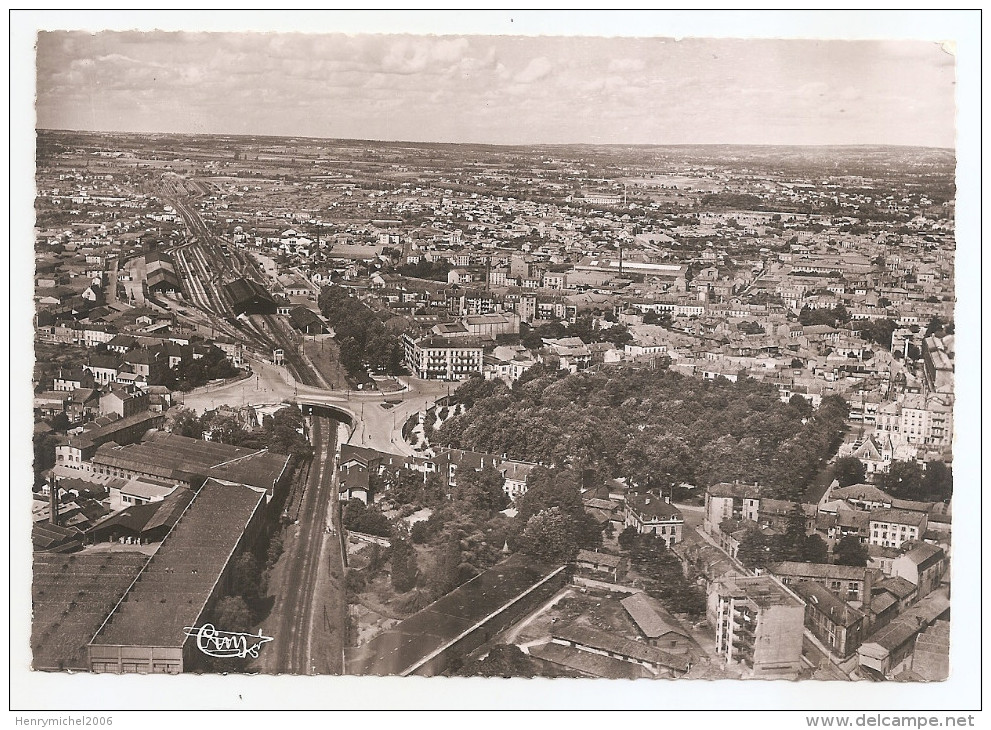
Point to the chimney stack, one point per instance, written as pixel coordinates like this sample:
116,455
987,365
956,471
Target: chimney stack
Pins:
53,505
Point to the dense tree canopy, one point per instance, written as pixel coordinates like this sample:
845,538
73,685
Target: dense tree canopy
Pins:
402,557
653,426
186,423
423,269
583,327
360,517
850,551
849,470
754,551
910,480
44,453
482,489
233,614
361,335
284,430
194,372
666,581
548,536
878,331
281,433
832,317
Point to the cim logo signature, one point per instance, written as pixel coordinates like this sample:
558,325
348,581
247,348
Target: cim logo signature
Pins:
226,644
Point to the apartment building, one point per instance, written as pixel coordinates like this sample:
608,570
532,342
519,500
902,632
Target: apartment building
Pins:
437,358
892,527
726,501
759,625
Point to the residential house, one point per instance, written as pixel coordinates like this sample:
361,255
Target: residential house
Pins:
838,625
862,496
846,581
655,625
649,514
515,475
103,368
73,379
123,402
893,590
888,651
923,566
777,514
601,563
354,484
726,501
146,365
892,527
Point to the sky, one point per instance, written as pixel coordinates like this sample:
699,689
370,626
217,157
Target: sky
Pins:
499,89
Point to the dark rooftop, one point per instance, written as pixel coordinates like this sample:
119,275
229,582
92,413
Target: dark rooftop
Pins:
838,611
650,617
898,516
588,664
818,570
613,643
147,517
925,555
106,432
71,595
652,507
726,489
54,538
896,586
173,588
398,650
911,623
588,556
245,290
170,456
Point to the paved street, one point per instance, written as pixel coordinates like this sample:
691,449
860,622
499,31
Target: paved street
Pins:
379,416
267,384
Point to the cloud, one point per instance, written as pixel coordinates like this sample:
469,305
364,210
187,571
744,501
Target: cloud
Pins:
621,65
649,91
537,69
409,55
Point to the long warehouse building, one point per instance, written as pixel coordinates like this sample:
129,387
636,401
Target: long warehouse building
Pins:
177,588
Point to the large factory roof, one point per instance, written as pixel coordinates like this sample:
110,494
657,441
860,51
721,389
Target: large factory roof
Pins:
172,590
175,457
71,595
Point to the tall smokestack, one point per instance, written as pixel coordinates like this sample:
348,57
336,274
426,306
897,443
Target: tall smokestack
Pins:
620,258
53,515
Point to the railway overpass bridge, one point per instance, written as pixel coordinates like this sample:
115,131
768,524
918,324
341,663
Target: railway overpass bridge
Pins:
374,419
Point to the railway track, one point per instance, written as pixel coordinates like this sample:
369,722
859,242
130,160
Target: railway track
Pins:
293,640
294,500
204,266
303,371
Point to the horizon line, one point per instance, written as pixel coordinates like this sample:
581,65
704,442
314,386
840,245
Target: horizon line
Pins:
508,144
